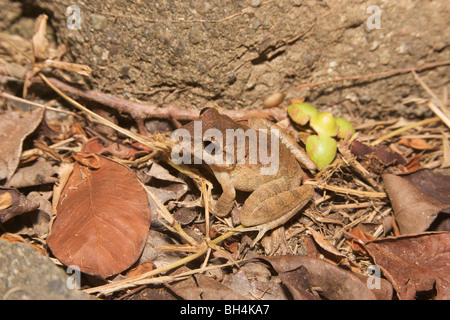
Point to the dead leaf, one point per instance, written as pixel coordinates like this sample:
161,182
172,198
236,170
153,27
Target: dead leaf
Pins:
6,200
412,165
200,287
434,183
382,153
415,263
414,211
417,143
103,219
325,244
14,128
39,173
336,283
299,283
359,235
15,238
141,269
164,190
19,204
39,41
121,151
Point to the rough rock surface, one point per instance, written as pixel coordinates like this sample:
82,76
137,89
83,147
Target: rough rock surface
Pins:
238,52
26,274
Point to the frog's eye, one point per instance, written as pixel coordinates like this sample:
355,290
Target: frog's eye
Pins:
204,110
211,146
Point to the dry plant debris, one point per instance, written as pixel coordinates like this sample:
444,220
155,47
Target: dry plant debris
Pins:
107,181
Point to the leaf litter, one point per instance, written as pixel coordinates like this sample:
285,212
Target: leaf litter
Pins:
100,213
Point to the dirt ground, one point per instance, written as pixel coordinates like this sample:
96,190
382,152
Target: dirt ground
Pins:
237,53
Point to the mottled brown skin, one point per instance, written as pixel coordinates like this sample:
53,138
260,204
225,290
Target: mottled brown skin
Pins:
275,198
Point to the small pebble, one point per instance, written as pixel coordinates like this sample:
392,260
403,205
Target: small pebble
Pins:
274,100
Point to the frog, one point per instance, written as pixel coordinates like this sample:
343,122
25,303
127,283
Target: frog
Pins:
275,198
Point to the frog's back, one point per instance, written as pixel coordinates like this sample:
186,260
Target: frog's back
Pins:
248,177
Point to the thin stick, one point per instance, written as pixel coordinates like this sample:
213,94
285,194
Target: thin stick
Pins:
440,110
359,193
382,74
169,218
35,104
139,110
102,120
165,279
403,129
439,113
134,281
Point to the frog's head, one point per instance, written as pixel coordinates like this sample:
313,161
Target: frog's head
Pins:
205,137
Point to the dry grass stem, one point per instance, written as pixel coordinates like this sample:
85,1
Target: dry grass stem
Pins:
347,191
403,129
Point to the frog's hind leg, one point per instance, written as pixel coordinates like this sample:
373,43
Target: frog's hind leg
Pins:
276,209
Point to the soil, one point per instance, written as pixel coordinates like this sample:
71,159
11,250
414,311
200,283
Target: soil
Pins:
237,53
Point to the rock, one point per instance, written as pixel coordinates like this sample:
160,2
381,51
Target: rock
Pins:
233,54
26,274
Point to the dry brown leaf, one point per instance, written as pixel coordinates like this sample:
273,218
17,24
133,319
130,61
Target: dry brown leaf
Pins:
325,244
382,153
359,235
121,151
299,283
200,287
103,219
40,172
14,128
415,263
336,283
412,165
6,200
434,183
39,41
414,211
19,204
417,143
15,238
141,269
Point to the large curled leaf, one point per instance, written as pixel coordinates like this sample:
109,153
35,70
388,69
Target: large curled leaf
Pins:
415,263
103,218
414,210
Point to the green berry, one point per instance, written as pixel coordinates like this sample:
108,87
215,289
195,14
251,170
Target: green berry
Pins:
325,124
343,127
321,149
301,113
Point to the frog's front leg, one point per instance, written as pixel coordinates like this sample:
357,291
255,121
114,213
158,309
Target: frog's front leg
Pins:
222,206
288,141
272,205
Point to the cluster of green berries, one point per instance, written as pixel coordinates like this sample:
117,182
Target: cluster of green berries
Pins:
322,147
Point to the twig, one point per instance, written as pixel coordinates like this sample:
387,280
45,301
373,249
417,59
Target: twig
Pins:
34,104
144,140
164,279
359,193
403,129
381,74
140,110
355,205
169,218
439,110
134,281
